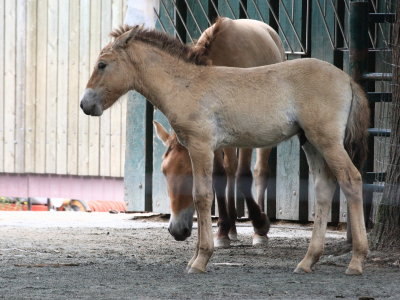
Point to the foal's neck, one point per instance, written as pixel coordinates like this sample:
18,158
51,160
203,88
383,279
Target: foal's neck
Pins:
166,81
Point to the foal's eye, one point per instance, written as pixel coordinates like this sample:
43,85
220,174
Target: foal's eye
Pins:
101,65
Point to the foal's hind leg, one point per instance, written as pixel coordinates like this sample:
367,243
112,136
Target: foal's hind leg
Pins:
350,182
324,185
244,181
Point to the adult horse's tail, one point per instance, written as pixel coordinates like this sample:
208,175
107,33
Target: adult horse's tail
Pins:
355,141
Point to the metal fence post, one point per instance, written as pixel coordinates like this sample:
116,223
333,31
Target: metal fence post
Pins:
358,46
358,55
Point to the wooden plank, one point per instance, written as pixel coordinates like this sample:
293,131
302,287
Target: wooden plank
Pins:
321,48
94,123
73,88
2,58
62,87
51,95
160,194
124,105
83,128
115,111
287,180
135,178
105,125
40,104
20,87
30,101
9,86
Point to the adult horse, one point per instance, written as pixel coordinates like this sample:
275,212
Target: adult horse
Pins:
211,107
223,44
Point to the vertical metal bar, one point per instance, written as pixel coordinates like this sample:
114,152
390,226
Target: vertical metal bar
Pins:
148,166
358,45
358,62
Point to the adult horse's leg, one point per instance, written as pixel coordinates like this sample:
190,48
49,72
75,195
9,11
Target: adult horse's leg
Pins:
221,239
324,185
202,158
230,165
244,180
261,175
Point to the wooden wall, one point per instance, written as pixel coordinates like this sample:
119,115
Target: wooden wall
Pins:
47,51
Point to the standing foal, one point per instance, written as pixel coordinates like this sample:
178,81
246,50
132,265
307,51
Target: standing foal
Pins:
212,107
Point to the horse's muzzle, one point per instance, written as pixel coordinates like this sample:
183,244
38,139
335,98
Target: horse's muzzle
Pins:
91,104
180,235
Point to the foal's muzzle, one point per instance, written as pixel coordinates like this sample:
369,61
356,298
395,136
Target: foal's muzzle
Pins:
91,103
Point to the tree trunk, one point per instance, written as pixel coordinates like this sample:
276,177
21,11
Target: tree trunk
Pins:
386,231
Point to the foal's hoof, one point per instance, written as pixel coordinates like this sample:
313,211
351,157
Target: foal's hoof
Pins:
353,271
195,271
301,270
222,242
259,240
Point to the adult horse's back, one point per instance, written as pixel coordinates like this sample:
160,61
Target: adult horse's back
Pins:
241,43
223,44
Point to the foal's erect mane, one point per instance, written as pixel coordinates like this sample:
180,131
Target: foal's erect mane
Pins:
197,54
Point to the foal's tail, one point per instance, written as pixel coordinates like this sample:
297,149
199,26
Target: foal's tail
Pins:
355,140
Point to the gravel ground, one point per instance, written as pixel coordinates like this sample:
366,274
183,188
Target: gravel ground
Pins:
70,255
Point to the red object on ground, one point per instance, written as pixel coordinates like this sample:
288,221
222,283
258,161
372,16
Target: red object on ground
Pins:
106,205
21,207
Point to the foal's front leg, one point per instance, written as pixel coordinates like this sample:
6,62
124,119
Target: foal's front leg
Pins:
202,164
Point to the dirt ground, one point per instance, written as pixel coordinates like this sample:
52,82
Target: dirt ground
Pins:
56,255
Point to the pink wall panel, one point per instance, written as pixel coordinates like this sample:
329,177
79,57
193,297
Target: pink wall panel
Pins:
58,186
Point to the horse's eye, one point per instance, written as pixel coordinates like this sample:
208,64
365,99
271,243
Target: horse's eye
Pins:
101,65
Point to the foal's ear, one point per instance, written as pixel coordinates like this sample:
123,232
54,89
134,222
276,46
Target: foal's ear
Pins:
123,41
161,132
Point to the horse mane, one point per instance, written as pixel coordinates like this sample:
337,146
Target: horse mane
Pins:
203,46
164,42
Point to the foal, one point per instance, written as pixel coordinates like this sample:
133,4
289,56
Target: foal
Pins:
212,107
223,43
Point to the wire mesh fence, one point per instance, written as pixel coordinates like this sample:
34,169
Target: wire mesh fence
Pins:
187,19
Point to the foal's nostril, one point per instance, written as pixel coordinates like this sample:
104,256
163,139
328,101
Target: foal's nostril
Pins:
81,105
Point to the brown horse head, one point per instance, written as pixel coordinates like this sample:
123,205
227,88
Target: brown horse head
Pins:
177,169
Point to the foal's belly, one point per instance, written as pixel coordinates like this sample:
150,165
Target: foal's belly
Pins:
255,135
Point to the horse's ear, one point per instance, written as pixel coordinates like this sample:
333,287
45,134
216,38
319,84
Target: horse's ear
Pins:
161,132
123,41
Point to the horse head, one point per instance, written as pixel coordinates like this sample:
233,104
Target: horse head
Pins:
177,169
109,79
